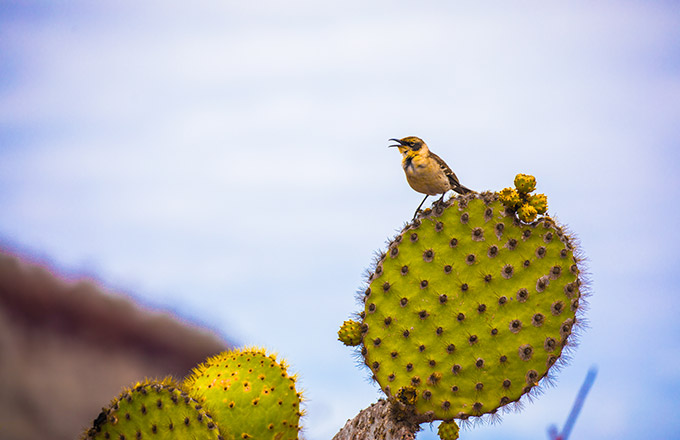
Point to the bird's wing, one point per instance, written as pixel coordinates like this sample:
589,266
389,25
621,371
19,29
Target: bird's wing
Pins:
445,168
453,180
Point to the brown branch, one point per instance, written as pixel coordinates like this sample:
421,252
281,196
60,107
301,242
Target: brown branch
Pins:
382,420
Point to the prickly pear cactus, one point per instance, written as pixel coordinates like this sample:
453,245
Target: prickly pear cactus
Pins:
249,393
153,409
469,308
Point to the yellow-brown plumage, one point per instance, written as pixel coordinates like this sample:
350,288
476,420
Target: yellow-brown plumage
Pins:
426,172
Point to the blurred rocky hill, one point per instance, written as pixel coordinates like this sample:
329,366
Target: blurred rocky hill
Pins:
68,348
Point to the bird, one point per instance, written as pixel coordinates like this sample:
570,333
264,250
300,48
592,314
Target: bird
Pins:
426,172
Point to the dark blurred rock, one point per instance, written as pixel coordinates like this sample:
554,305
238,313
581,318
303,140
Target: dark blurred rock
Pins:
66,349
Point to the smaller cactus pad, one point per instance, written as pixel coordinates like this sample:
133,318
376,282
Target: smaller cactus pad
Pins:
249,393
153,409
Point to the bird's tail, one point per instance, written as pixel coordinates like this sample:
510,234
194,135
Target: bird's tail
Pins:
460,189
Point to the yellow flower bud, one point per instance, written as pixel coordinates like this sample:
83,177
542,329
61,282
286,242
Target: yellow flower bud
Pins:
509,197
350,333
539,202
525,183
527,213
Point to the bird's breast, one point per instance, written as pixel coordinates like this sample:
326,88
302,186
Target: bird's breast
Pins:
425,176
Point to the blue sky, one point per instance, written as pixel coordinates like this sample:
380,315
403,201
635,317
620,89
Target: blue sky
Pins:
228,161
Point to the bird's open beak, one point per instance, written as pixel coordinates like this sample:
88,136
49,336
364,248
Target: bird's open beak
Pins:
397,141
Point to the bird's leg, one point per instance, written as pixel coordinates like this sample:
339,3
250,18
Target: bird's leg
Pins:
441,199
418,208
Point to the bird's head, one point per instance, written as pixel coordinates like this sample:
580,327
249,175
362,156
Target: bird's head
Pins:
410,144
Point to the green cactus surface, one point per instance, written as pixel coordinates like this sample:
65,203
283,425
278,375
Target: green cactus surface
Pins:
153,409
469,308
249,393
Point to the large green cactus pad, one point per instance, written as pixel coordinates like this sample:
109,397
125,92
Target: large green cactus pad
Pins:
153,409
469,308
250,394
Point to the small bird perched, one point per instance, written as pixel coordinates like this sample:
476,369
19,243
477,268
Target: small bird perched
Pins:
426,172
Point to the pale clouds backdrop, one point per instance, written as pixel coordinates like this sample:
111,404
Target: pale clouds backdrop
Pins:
228,161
